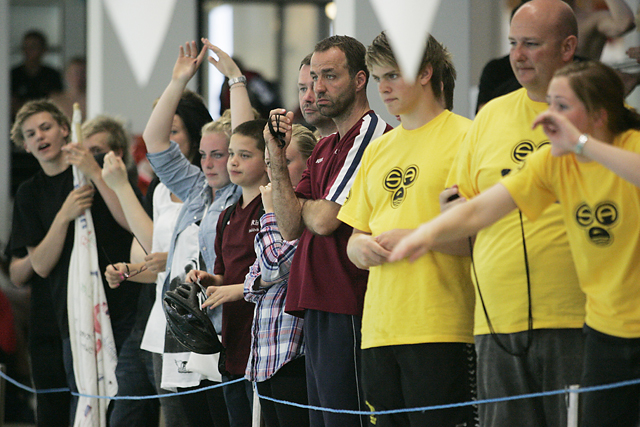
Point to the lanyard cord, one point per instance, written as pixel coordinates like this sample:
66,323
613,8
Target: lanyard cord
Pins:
495,336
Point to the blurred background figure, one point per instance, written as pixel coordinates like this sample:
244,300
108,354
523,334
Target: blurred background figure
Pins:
75,79
263,94
598,22
32,79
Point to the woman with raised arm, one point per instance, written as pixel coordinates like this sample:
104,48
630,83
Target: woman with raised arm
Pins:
592,167
206,193
148,262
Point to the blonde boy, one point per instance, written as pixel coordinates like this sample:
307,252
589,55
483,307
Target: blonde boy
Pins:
417,322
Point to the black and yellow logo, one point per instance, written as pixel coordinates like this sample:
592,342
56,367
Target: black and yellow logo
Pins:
598,222
397,181
524,148
372,418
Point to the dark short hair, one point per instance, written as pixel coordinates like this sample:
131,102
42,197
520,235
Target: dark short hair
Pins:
194,115
36,34
306,60
353,50
253,129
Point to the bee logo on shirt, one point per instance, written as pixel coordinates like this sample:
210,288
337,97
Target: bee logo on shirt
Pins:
524,148
397,181
598,221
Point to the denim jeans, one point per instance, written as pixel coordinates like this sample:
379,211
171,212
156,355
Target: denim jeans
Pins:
135,378
239,399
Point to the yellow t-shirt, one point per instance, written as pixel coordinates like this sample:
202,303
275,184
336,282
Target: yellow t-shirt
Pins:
401,175
601,211
497,143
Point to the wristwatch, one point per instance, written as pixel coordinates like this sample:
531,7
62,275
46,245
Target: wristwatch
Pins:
241,79
579,147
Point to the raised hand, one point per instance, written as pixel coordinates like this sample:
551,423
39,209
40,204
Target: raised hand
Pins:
82,158
114,172
562,134
188,62
281,121
225,64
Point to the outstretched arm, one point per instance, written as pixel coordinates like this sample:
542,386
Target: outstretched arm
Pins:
287,206
463,220
618,21
564,138
114,174
241,110
82,158
157,133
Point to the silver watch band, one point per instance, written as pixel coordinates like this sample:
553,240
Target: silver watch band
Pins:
582,140
241,79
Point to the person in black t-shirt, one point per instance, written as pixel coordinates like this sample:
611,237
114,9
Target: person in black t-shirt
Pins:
31,79
47,205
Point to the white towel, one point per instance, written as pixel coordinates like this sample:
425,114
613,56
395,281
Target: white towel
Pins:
92,343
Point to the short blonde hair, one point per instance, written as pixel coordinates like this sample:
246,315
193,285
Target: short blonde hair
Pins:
117,140
305,139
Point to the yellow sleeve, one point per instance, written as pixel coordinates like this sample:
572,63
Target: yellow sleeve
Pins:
461,173
356,210
529,187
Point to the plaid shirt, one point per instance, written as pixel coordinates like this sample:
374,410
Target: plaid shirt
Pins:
276,337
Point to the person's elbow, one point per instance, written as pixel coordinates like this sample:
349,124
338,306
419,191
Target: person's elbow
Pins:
326,226
625,27
621,27
41,270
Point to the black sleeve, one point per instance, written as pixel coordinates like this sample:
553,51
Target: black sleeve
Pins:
147,202
27,229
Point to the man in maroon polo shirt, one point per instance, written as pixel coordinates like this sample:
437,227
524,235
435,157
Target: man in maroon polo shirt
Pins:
324,286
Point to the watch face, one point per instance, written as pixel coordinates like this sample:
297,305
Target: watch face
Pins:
582,140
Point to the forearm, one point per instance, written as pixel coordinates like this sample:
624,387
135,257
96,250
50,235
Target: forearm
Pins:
241,110
286,205
138,276
46,254
20,270
157,133
621,21
320,216
625,164
460,247
111,200
139,222
274,257
466,219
